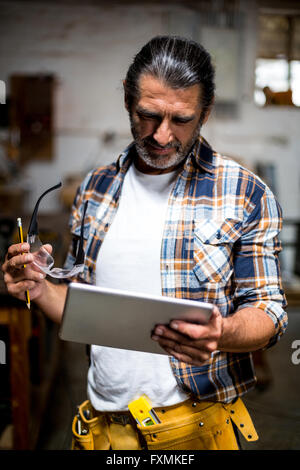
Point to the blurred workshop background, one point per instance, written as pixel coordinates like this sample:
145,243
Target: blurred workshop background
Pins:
61,114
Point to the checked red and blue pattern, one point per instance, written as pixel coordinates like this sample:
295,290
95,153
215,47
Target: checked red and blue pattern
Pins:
220,245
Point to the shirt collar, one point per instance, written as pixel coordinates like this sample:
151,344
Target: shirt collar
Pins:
202,155
124,159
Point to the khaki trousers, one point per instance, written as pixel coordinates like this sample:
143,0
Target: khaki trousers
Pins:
191,425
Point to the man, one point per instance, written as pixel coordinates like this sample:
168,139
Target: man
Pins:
173,217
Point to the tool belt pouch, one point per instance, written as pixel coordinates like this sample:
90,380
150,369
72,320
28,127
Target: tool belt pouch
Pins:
208,429
88,431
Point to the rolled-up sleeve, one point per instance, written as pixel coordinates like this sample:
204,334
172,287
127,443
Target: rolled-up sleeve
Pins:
256,262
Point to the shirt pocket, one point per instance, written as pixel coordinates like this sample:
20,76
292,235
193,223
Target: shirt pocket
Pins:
213,248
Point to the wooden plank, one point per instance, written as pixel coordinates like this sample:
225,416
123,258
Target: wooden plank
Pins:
19,374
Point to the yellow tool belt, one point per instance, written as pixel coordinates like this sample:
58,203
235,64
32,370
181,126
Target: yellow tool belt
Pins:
191,425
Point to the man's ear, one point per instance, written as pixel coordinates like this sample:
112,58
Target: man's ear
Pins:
125,96
208,111
207,114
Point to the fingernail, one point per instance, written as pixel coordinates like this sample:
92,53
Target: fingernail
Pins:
155,338
159,331
42,276
24,247
174,325
29,258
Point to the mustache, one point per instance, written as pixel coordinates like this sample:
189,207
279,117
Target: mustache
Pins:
153,143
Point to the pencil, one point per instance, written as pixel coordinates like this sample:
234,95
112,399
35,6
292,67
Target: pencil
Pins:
19,221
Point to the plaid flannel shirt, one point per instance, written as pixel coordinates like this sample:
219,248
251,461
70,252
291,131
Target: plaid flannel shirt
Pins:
220,245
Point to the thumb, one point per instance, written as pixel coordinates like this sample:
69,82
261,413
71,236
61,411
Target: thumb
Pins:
192,330
48,247
196,330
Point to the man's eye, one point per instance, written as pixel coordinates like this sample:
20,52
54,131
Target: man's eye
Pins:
146,117
181,121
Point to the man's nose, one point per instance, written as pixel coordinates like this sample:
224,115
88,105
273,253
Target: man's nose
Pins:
163,133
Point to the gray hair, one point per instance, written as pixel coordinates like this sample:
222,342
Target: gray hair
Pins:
178,62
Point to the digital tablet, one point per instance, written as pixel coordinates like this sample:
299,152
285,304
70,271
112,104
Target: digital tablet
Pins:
121,319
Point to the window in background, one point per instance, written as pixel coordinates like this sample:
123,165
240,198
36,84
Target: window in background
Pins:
277,73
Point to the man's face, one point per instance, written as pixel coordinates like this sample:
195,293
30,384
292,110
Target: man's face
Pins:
164,124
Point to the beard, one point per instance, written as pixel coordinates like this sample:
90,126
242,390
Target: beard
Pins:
161,162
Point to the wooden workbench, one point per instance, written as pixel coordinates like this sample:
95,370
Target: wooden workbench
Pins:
28,400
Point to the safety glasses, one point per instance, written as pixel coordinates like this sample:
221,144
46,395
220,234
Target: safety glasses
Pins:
42,259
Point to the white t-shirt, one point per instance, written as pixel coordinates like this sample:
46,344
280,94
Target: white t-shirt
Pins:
129,259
